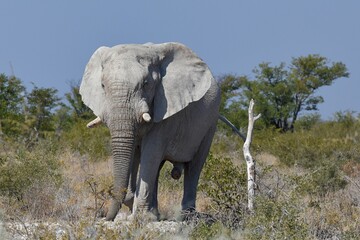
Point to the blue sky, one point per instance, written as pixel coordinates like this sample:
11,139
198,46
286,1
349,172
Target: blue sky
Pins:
49,42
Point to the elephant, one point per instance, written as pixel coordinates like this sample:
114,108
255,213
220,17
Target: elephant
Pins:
160,103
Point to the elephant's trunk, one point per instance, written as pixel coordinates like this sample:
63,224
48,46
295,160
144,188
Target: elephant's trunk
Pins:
122,130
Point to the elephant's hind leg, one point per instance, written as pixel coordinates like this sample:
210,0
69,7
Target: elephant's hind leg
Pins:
192,172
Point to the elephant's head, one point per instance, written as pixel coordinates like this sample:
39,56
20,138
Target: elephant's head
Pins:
130,85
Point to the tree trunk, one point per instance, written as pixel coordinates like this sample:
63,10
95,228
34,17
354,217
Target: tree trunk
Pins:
250,163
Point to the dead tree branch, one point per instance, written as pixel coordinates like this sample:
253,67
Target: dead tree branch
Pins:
250,162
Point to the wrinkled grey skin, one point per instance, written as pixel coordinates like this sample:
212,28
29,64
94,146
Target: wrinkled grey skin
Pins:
177,91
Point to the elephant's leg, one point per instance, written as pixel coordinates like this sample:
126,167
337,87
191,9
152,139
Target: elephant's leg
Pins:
129,199
192,172
147,183
154,206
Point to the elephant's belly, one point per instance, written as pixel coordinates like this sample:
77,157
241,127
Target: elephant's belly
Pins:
185,144
180,152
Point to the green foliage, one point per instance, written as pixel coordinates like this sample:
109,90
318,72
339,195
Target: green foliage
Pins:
204,231
308,121
281,93
23,169
12,103
345,118
27,116
94,142
79,109
11,96
277,215
276,219
41,103
225,185
322,180
272,94
63,120
309,149
295,149
230,105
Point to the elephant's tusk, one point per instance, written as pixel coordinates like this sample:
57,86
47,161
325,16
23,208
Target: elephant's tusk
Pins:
146,117
94,123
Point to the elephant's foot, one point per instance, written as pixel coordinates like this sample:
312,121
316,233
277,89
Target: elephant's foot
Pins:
129,200
146,216
114,208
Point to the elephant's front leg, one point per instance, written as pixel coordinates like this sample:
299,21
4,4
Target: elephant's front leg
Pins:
146,192
129,199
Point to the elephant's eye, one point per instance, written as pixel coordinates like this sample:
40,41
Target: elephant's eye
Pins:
102,85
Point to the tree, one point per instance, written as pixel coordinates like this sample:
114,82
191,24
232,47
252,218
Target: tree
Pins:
79,109
11,103
307,74
41,103
230,105
272,92
282,93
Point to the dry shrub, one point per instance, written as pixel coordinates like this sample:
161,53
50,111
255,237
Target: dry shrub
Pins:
39,200
87,185
29,179
336,215
351,168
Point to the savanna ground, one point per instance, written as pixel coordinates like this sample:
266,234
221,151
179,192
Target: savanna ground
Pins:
308,187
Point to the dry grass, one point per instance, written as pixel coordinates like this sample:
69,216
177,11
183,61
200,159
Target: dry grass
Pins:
82,175
87,183
85,188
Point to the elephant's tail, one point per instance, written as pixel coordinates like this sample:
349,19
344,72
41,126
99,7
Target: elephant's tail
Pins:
237,131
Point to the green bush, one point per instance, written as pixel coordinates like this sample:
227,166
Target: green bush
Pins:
204,231
301,148
277,214
308,121
276,219
225,184
331,143
320,181
94,142
29,178
23,167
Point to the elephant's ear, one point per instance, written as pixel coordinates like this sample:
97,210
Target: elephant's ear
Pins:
185,79
92,93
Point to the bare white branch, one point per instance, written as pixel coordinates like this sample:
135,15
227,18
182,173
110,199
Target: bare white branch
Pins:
250,162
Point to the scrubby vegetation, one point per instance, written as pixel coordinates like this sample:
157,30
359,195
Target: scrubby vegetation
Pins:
56,175
308,182
308,185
